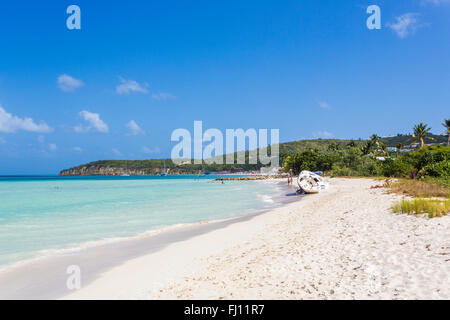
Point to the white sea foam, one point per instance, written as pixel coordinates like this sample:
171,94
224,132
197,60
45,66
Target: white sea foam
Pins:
266,198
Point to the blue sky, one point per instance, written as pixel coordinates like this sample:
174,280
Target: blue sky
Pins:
137,70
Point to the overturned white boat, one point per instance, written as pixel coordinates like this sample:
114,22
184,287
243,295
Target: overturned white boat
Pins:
309,182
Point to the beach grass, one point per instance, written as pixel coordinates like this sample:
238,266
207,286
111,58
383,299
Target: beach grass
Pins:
433,208
419,188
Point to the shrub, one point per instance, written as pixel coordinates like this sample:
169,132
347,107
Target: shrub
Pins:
341,160
342,171
440,169
429,155
399,167
369,167
310,160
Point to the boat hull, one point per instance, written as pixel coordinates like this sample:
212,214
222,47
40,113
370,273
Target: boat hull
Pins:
310,182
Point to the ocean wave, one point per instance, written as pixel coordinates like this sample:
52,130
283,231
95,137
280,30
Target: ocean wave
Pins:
265,198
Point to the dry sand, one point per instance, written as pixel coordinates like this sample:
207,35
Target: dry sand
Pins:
344,243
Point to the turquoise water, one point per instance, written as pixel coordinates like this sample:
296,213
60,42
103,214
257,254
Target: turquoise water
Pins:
41,214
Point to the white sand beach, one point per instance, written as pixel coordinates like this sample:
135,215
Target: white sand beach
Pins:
344,243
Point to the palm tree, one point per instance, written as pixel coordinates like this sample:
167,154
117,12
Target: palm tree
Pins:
446,132
374,142
374,139
399,147
420,131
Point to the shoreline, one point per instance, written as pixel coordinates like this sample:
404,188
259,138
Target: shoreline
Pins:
17,275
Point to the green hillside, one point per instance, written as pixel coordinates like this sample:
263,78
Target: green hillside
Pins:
154,166
407,139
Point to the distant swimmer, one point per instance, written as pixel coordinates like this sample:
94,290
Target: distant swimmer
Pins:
290,181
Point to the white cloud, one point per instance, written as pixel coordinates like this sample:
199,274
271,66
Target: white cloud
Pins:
80,129
44,147
77,149
10,124
134,129
149,150
406,24
324,105
68,84
94,121
129,86
52,147
435,2
116,152
163,96
323,134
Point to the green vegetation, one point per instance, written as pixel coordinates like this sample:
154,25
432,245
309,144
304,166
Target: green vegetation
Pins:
433,208
333,156
408,139
377,157
420,132
154,166
432,161
446,132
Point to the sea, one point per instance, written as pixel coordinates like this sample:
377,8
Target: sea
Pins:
47,215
